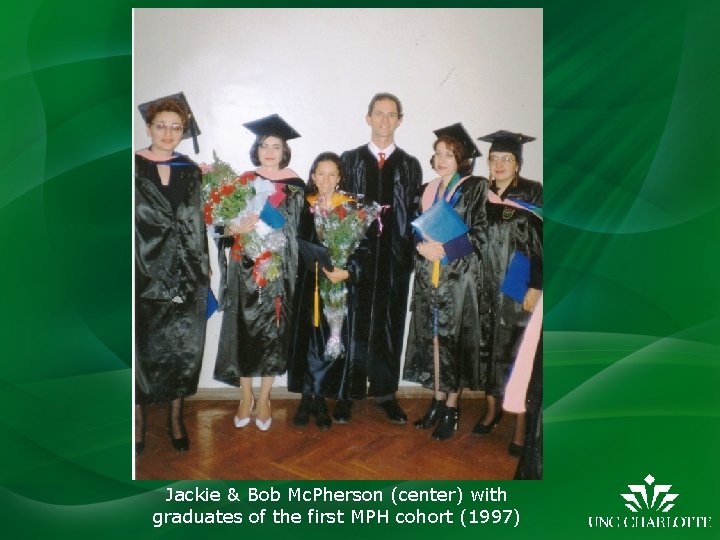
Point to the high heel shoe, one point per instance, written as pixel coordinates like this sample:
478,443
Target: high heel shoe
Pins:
264,425
433,414
242,422
140,444
181,444
448,424
484,429
515,450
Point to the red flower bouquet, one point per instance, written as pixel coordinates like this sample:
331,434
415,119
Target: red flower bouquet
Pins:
340,230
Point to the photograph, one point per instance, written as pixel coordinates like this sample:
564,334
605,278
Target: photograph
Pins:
302,185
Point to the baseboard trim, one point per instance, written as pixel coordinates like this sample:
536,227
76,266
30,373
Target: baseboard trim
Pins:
281,392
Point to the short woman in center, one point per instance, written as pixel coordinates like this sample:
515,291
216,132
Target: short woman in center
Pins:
447,341
310,372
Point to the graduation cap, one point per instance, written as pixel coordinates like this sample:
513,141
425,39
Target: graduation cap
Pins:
191,129
457,132
311,252
507,141
272,125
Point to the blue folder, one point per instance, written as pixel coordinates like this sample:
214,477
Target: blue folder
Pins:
517,277
270,215
212,304
441,223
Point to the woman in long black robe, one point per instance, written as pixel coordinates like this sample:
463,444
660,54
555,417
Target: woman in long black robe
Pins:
171,271
309,372
511,230
447,342
255,336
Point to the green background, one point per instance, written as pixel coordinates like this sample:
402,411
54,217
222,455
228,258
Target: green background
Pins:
631,335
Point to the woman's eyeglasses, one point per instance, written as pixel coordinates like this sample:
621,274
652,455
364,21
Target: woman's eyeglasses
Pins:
503,159
162,126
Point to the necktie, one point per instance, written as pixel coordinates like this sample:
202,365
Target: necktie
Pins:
381,161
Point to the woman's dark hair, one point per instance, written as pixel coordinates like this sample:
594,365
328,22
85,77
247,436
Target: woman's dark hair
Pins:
255,158
465,165
168,104
325,156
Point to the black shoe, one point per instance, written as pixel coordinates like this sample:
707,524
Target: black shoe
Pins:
433,414
394,413
181,444
484,429
343,411
515,449
302,416
140,422
322,418
448,424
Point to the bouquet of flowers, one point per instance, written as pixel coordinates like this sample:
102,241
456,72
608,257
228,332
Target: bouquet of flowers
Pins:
340,230
229,198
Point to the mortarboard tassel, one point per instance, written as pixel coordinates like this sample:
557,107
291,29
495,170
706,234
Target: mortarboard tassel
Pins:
278,310
316,300
194,134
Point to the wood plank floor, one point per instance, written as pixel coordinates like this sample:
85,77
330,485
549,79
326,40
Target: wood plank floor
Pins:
368,448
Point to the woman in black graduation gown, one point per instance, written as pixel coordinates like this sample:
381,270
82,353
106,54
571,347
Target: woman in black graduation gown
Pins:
505,162
309,372
513,232
254,338
447,340
171,269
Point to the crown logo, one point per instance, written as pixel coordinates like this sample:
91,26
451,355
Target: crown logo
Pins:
661,505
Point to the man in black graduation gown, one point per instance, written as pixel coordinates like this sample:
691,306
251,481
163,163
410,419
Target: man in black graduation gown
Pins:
384,173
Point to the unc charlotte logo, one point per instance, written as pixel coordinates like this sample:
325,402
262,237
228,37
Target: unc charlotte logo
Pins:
661,505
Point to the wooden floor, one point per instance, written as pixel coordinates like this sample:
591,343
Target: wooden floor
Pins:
368,448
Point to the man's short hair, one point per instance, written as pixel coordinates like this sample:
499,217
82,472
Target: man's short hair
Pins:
385,95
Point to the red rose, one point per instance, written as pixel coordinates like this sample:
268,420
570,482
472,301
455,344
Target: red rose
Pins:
341,211
215,196
246,177
227,189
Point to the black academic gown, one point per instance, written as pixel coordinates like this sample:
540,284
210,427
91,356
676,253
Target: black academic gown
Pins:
252,343
510,229
461,335
524,190
309,372
171,280
387,262
530,465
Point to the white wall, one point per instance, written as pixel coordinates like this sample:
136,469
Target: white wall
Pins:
318,68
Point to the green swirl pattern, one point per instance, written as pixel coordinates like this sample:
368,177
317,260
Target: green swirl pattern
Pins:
632,222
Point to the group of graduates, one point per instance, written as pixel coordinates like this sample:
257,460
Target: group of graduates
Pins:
472,298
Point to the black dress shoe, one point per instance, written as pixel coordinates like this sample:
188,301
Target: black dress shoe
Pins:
181,444
302,416
343,411
394,413
484,429
448,424
322,418
433,414
515,449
